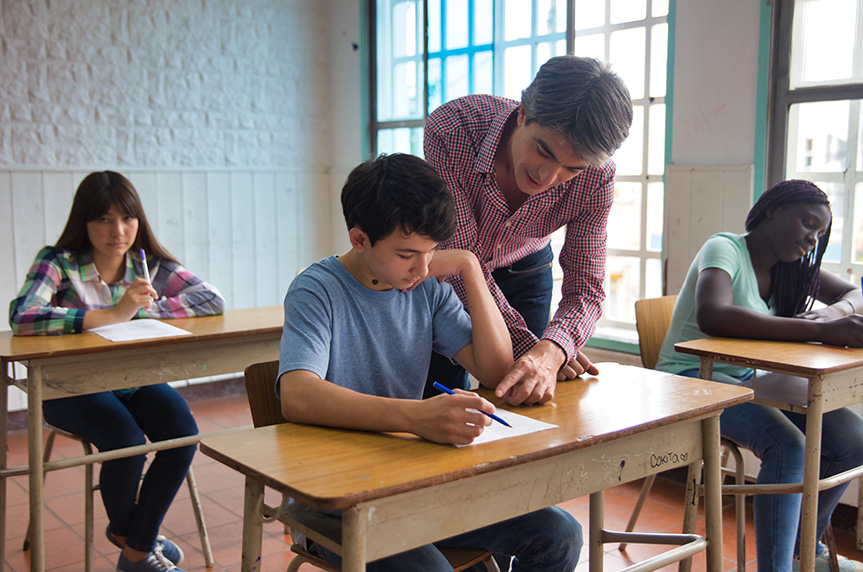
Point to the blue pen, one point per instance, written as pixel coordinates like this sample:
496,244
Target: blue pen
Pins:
144,262
446,389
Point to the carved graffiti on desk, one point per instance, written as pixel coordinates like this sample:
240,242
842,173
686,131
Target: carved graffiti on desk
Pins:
659,459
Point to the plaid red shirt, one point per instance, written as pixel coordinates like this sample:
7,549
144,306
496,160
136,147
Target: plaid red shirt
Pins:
461,138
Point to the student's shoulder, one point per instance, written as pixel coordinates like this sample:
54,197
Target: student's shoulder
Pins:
54,256
318,276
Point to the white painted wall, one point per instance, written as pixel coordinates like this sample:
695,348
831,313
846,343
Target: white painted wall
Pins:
236,121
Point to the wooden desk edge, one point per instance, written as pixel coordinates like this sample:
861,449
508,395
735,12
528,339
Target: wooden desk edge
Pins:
742,394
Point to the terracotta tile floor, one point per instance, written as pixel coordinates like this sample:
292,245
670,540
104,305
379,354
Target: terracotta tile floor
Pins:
221,491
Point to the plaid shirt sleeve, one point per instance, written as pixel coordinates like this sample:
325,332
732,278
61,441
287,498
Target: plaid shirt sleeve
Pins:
37,309
583,262
182,294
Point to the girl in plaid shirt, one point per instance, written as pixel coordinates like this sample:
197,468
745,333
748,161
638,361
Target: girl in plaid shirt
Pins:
90,279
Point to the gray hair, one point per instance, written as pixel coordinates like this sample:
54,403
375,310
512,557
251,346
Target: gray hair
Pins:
584,100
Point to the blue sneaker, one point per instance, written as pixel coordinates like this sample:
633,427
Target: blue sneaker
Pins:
167,548
153,562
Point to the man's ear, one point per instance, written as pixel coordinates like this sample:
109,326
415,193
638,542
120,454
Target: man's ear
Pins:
359,239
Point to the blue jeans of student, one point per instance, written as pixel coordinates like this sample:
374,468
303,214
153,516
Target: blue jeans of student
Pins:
116,419
548,540
777,438
527,285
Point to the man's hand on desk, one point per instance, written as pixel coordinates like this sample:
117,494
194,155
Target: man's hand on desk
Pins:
532,378
576,367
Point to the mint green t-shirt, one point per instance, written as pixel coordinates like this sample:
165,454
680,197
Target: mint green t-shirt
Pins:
725,251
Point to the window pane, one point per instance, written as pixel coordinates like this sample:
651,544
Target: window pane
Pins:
517,71
456,24
591,46
836,194
629,157
659,8
483,23
655,217
627,57
656,140
860,135
404,29
551,17
621,287
822,42
858,226
658,59
405,81
589,14
483,81
628,10
434,25
652,278
456,77
818,134
402,140
624,220
517,19
435,85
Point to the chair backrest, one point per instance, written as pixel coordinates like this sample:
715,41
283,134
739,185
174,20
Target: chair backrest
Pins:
260,389
652,317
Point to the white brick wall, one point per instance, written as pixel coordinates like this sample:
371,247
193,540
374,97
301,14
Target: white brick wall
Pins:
165,83
229,100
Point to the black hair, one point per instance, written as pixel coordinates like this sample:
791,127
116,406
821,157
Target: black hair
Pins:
795,284
398,192
585,101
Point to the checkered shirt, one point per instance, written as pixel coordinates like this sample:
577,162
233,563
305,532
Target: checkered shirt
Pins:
461,138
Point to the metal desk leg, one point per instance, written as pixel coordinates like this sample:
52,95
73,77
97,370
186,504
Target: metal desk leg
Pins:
354,530
712,492
4,452
253,525
596,531
34,461
811,466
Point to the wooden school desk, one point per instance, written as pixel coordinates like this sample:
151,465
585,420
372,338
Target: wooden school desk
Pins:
61,366
835,380
398,492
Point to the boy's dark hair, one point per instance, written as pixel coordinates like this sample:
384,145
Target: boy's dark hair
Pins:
398,191
584,100
795,284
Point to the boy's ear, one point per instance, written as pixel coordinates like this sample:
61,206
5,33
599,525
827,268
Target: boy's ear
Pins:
359,239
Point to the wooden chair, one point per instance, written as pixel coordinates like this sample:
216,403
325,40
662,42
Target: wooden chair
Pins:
90,487
652,318
266,410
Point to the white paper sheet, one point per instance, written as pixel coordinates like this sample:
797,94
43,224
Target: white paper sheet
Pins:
521,425
144,329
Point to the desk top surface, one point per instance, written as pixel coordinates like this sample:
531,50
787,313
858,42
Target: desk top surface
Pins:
232,324
332,468
796,358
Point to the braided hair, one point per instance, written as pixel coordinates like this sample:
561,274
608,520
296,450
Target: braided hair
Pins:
794,284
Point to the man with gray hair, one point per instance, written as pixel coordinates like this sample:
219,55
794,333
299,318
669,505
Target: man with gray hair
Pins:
518,172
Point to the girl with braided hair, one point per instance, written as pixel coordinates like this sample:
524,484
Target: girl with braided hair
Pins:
763,285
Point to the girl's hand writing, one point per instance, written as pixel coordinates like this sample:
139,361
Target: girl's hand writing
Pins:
845,331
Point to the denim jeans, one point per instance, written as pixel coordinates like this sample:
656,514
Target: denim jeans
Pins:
526,284
548,540
777,438
116,419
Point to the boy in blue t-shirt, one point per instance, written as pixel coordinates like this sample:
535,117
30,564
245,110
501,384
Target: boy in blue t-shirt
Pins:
358,336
